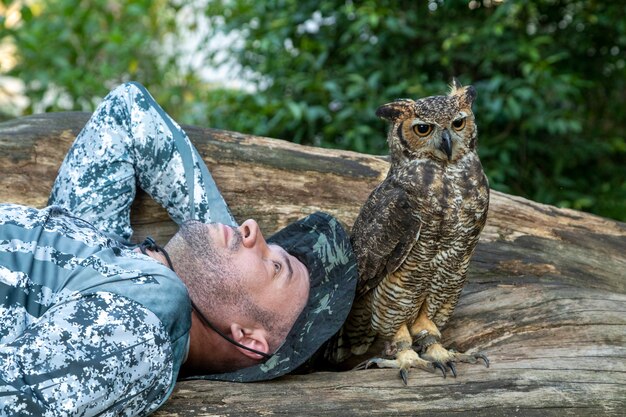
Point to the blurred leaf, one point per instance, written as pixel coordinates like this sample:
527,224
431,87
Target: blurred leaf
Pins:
550,75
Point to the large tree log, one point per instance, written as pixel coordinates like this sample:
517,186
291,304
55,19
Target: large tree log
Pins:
546,298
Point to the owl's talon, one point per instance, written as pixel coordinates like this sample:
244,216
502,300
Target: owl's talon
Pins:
483,357
452,367
404,374
439,365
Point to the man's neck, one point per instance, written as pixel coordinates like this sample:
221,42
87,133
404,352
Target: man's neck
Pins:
208,352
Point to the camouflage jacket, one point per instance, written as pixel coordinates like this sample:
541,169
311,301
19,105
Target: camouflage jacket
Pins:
88,326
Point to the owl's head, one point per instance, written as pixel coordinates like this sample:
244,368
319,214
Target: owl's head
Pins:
437,127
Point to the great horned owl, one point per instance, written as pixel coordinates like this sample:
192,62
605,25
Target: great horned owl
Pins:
416,233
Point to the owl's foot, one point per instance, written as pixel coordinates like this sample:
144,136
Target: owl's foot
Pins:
404,360
437,353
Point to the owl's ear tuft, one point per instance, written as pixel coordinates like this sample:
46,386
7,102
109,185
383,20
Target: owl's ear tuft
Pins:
470,94
395,109
455,85
466,94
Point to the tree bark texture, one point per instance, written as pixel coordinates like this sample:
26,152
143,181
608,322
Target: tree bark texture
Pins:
546,297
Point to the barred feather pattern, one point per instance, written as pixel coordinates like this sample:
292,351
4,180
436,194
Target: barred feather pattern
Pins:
416,233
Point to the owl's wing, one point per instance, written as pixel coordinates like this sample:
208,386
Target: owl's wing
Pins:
383,234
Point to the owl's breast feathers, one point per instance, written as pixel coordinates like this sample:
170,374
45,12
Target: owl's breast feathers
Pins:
418,229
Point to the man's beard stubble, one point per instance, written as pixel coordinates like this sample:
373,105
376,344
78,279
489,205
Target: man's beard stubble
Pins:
196,235
212,279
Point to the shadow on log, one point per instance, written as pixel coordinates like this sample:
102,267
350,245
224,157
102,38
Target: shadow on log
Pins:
546,298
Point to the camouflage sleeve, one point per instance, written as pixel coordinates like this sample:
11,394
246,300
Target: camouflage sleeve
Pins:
99,354
130,139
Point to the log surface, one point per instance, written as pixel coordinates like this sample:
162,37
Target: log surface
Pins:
546,298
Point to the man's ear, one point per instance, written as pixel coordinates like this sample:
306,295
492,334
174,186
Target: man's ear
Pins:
253,338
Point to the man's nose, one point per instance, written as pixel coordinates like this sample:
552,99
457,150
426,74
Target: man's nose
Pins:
251,235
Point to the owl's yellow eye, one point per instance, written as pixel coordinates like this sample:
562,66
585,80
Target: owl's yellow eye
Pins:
458,124
422,129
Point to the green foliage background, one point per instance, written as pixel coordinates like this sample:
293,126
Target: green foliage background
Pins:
550,75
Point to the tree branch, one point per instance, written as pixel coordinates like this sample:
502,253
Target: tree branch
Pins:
546,299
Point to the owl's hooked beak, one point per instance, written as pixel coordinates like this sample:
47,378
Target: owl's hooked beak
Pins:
446,143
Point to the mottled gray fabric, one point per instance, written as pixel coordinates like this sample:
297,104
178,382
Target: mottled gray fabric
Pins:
87,325
130,140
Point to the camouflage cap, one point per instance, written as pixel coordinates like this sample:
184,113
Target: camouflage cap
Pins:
321,243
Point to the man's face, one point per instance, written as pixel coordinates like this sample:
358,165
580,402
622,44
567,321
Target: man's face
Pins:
272,278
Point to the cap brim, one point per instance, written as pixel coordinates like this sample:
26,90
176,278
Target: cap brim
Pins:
321,243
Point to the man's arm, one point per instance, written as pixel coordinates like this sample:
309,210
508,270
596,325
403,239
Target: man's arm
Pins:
128,140
92,355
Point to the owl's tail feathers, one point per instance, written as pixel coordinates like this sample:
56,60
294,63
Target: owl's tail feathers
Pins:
338,348
347,343
334,355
